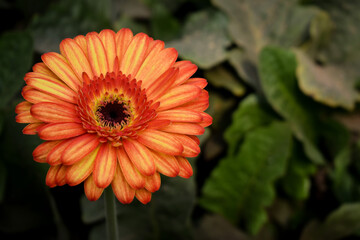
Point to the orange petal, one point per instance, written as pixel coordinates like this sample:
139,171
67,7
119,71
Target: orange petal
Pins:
207,119
186,170
79,148
54,156
54,113
162,84
79,171
200,82
59,65
60,176
123,192
134,55
26,117
51,176
81,41
166,164
153,182
180,115
76,57
105,165
123,39
191,147
40,152
178,96
53,88
42,68
31,129
184,128
108,39
143,195
22,107
157,124
155,64
186,70
58,131
92,191
35,96
96,54
140,156
160,141
201,103
131,174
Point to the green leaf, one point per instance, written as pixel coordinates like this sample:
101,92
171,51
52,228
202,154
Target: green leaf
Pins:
241,187
255,23
341,223
16,56
220,77
204,44
245,68
296,181
277,75
328,85
248,116
69,18
164,25
167,216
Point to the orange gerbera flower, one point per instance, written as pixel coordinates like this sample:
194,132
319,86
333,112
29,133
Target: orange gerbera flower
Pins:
116,109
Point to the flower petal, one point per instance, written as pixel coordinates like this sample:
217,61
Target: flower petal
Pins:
79,148
59,65
77,57
58,131
53,88
54,156
134,55
31,129
143,195
178,96
162,84
96,54
123,192
191,147
131,174
54,113
166,164
105,165
108,39
40,152
81,41
160,141
186,70
51,176
201,103
153,182
35,96
22,107
60,176
79,171
123,39
140,156
180,115
42,68
186,170
184,128
26,117
200,82
155,64
92,191
207,119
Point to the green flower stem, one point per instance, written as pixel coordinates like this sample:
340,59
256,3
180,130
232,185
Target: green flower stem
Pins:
110,212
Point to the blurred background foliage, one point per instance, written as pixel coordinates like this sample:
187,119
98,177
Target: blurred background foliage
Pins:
281,160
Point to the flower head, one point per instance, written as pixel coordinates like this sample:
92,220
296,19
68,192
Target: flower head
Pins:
114,109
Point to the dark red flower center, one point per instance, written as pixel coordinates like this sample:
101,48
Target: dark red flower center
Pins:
113,114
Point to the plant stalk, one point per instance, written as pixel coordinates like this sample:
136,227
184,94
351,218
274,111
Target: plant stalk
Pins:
110,213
